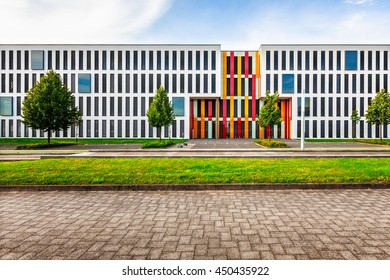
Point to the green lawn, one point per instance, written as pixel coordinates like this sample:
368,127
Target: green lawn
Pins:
25,141
190,170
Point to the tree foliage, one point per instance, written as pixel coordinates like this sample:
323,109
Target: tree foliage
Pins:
49,106
270,113
378,111
160,112
355,118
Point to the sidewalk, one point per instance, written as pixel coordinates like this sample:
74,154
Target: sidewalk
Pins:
205,148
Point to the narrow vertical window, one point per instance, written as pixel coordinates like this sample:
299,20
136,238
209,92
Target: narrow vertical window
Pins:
81,60
267,60
378,60
189,60
206,60
135,83
338,83
330,60
135,60
299,60
307,60
96,60
338,60
361,60
143,60
26,61
72,60
182,58
182,82
150,60
88,60
291,60
19,60
112,60
315,60
213,60
276,60
127,60
283,60
166,60
119,60
2,60
330,83
369,60
158,61
197,60
197,83
104,60
11,60
322,60
361,83
174,60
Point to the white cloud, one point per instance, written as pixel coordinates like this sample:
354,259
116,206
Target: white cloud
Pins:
359,2
77,21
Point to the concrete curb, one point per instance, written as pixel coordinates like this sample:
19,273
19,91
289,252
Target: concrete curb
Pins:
198,187
266,150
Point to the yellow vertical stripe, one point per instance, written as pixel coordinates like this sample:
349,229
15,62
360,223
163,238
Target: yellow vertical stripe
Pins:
224,55
202,124
239,75
257,64
246,112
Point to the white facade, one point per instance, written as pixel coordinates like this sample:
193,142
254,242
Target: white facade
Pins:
123,80
332,90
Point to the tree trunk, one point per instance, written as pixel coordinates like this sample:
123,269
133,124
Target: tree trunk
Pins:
160,133
48,136
380,132
353,131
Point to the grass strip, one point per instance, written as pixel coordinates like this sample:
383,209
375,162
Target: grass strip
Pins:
26,141
190,170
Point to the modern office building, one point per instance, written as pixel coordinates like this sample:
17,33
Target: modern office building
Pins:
215,94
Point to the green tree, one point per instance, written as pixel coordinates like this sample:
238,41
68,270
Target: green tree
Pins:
270,113
378,111
49,106
160,112
355,118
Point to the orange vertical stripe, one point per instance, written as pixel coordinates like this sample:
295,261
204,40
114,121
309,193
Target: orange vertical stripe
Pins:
257,64
202,122
195,128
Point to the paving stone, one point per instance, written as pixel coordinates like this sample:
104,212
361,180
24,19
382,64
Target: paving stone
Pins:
325,224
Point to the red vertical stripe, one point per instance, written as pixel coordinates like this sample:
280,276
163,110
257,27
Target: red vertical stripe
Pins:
268,131
191,118
254,97
210,110
224,113
246,64
231,73
239,128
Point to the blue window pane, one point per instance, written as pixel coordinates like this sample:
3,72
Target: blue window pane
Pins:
85,83
37,60
350,60
5,106
178,106
288,83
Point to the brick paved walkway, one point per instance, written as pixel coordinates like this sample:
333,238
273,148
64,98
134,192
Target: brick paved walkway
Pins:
350,224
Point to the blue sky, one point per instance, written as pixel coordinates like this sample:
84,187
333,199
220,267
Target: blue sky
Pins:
235,24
